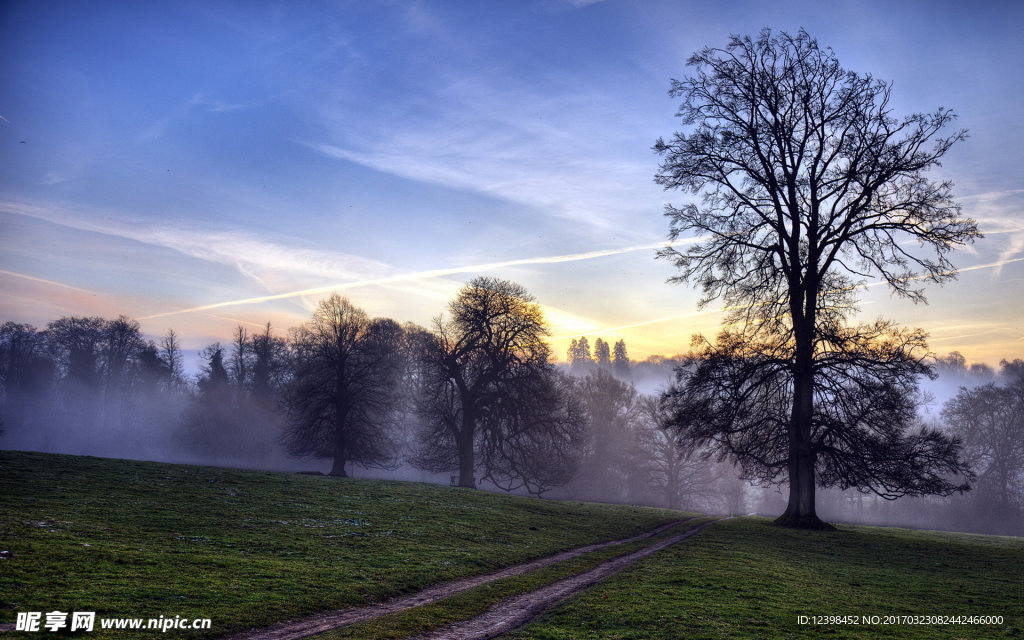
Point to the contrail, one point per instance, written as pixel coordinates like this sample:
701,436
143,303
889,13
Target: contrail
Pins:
422,275
236,320
990,265
49,282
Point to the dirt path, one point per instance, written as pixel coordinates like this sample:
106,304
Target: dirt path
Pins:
303,627
518,610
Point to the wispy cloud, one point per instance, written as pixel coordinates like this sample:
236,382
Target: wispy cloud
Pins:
999,264
253,255
420,275
554,144
510,165
1000,214
58,177
219,106
271,263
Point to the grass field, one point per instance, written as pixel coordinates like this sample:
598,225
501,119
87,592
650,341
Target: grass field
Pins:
477,601
137,539
746,578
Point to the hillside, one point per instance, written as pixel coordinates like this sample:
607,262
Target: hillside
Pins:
248,549
142,539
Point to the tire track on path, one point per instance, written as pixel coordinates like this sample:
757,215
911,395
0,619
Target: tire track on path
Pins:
318,623
518,610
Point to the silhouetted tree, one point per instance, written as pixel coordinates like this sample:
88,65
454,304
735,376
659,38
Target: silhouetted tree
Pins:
150,373
534,434
26,377
602,354
226,423
735,399
491,402
75,342
122,348
953,368
209,426
239,364
990,419
413,381
343,399
214,376
122,343
809,184
579,356
620,359
170,353
270,363
612,412
678,472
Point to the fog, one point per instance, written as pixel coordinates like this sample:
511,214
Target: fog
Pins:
139,403
153,428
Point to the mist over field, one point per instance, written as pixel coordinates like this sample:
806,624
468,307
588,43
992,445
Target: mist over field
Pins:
146,407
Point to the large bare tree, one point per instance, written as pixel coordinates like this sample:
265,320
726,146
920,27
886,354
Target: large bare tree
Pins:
344,397
491,401
809,186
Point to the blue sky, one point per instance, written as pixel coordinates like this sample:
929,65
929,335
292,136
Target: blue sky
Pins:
199,164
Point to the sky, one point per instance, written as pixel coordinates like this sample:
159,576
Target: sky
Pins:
200,165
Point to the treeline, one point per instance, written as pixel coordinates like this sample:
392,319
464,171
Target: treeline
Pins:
474,397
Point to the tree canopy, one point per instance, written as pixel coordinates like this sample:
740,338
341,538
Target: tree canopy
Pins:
809,186
344,399
492,401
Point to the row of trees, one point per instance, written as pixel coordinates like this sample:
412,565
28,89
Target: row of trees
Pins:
476,396
91,376
581,360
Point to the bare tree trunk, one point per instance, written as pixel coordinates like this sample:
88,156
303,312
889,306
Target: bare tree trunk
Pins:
467,460
340,418
466,464
338,467
672,487
800,512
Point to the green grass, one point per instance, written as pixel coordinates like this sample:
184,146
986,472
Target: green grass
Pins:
138,539
477,601
746,578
